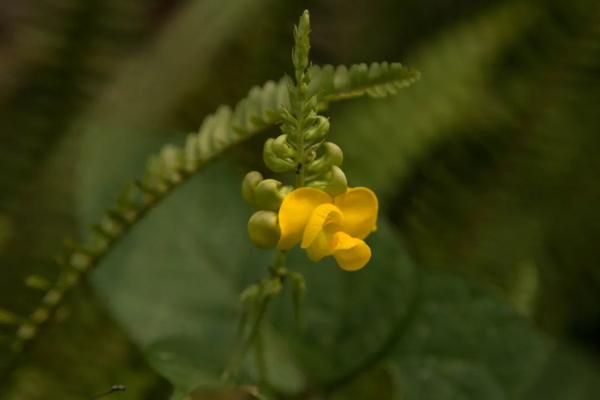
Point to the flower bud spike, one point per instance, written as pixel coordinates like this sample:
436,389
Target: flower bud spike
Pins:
320,214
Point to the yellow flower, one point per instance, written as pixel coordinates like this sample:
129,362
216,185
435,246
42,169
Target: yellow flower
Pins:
327,226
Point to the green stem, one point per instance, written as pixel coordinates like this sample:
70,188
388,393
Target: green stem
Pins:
261,364
277,272
279,260
239,355
300,174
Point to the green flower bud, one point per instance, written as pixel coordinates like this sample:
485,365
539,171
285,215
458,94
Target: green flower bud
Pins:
310,104
301,42
273,161
332,156
318,130
263,229
249,183
269,194
286,115
303,87
333,182
282,148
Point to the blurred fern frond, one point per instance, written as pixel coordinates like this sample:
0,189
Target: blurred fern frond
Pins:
64,54
523,186
74,42
455,67
46,90
56,58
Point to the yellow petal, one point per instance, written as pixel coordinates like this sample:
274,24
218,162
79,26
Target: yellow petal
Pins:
350,253
319,248
359,206
325,217
294,213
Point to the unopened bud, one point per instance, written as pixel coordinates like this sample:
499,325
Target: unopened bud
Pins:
332,156
263,229
333,182
273,161
282,148
269,194
318,130
249,183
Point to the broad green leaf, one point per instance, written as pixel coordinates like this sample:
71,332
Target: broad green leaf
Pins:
567,374
465,343
444,337
175,281
174,285
350,316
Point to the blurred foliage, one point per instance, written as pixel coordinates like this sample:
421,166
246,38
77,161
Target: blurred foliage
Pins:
486,170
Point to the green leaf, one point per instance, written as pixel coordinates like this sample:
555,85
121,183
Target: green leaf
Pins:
174,285
465,344
443,336
175,282
567,374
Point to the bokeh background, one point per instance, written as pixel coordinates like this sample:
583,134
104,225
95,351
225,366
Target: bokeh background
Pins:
487,170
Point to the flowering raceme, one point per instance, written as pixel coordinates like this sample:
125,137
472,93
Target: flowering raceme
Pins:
324,225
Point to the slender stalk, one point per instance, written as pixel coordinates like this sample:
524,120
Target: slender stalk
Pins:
300,95
259,354
264,297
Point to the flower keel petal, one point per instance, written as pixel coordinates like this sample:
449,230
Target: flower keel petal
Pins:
325,218
350,253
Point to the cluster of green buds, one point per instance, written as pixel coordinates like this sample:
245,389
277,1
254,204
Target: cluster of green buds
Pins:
266,195
300,150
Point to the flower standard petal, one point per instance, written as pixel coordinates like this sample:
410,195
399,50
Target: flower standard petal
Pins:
359,206
294,213
350,253
325,218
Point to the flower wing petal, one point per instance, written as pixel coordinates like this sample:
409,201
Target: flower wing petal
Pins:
326,216
294,213
359,206
350,253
